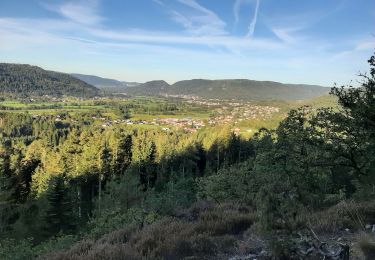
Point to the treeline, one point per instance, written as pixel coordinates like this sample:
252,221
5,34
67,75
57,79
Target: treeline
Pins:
92,181
32,107
25,80
39,155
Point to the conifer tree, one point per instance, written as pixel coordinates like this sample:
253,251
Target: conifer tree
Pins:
104,169
124,155
59,215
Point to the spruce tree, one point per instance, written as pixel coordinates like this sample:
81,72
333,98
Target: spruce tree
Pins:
124,155
8,209
59,215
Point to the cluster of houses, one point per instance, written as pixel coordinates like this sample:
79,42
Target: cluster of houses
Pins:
187,124
231,110
254,112
224,112
235,113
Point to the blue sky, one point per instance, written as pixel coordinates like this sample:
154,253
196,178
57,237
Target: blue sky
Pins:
291,41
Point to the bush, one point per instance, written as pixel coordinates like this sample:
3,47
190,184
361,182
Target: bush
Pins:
222,220
16,250
233,184
175,196
367,246
352,215
212,232
109,221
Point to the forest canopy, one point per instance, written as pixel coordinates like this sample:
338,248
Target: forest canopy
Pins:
26,80
80,190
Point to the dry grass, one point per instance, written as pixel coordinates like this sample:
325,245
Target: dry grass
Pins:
221,222
366,244
203,232
351,215
118,236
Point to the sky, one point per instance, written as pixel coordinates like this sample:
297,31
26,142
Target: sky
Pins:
291,41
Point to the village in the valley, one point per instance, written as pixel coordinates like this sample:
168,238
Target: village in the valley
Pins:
222,112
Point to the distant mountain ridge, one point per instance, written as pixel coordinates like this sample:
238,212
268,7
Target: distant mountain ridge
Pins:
243,89
24,80
111,85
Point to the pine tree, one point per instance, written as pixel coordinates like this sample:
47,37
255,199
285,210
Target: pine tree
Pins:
148,167
104,169
7,203
59,215
123,157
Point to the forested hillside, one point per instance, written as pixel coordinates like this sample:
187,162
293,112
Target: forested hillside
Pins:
71,189
105,83
26,80
230,89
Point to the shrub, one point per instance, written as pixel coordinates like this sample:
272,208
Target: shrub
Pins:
212,232
352,215
232,184
109,221
164,239
367,246
10,249
221,222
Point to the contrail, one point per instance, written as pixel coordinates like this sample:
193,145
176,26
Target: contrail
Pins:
254,21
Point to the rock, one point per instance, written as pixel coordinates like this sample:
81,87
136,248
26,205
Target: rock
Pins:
368,226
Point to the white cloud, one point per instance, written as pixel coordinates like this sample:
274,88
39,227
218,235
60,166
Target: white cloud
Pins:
181,19
201,21
80,11
177,39
205,44
158,2
62,29
253,23
286,34
236,12
366,45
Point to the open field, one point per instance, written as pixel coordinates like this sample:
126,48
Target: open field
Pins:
245,118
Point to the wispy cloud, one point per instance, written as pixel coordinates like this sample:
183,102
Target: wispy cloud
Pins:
366,45
201,21
159,2
193,4
79,31
237,8
60,29
253,23
286,35
236,12
79,11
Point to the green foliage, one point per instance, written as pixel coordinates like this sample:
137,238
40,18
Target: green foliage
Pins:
367,246
123,112
122,193
175,196
59,213
238,89
16,250
30,80
123,183
109,221
232,184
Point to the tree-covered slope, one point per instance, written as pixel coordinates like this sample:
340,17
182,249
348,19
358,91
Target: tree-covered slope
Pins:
73,189
104,83
25,80
231,89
